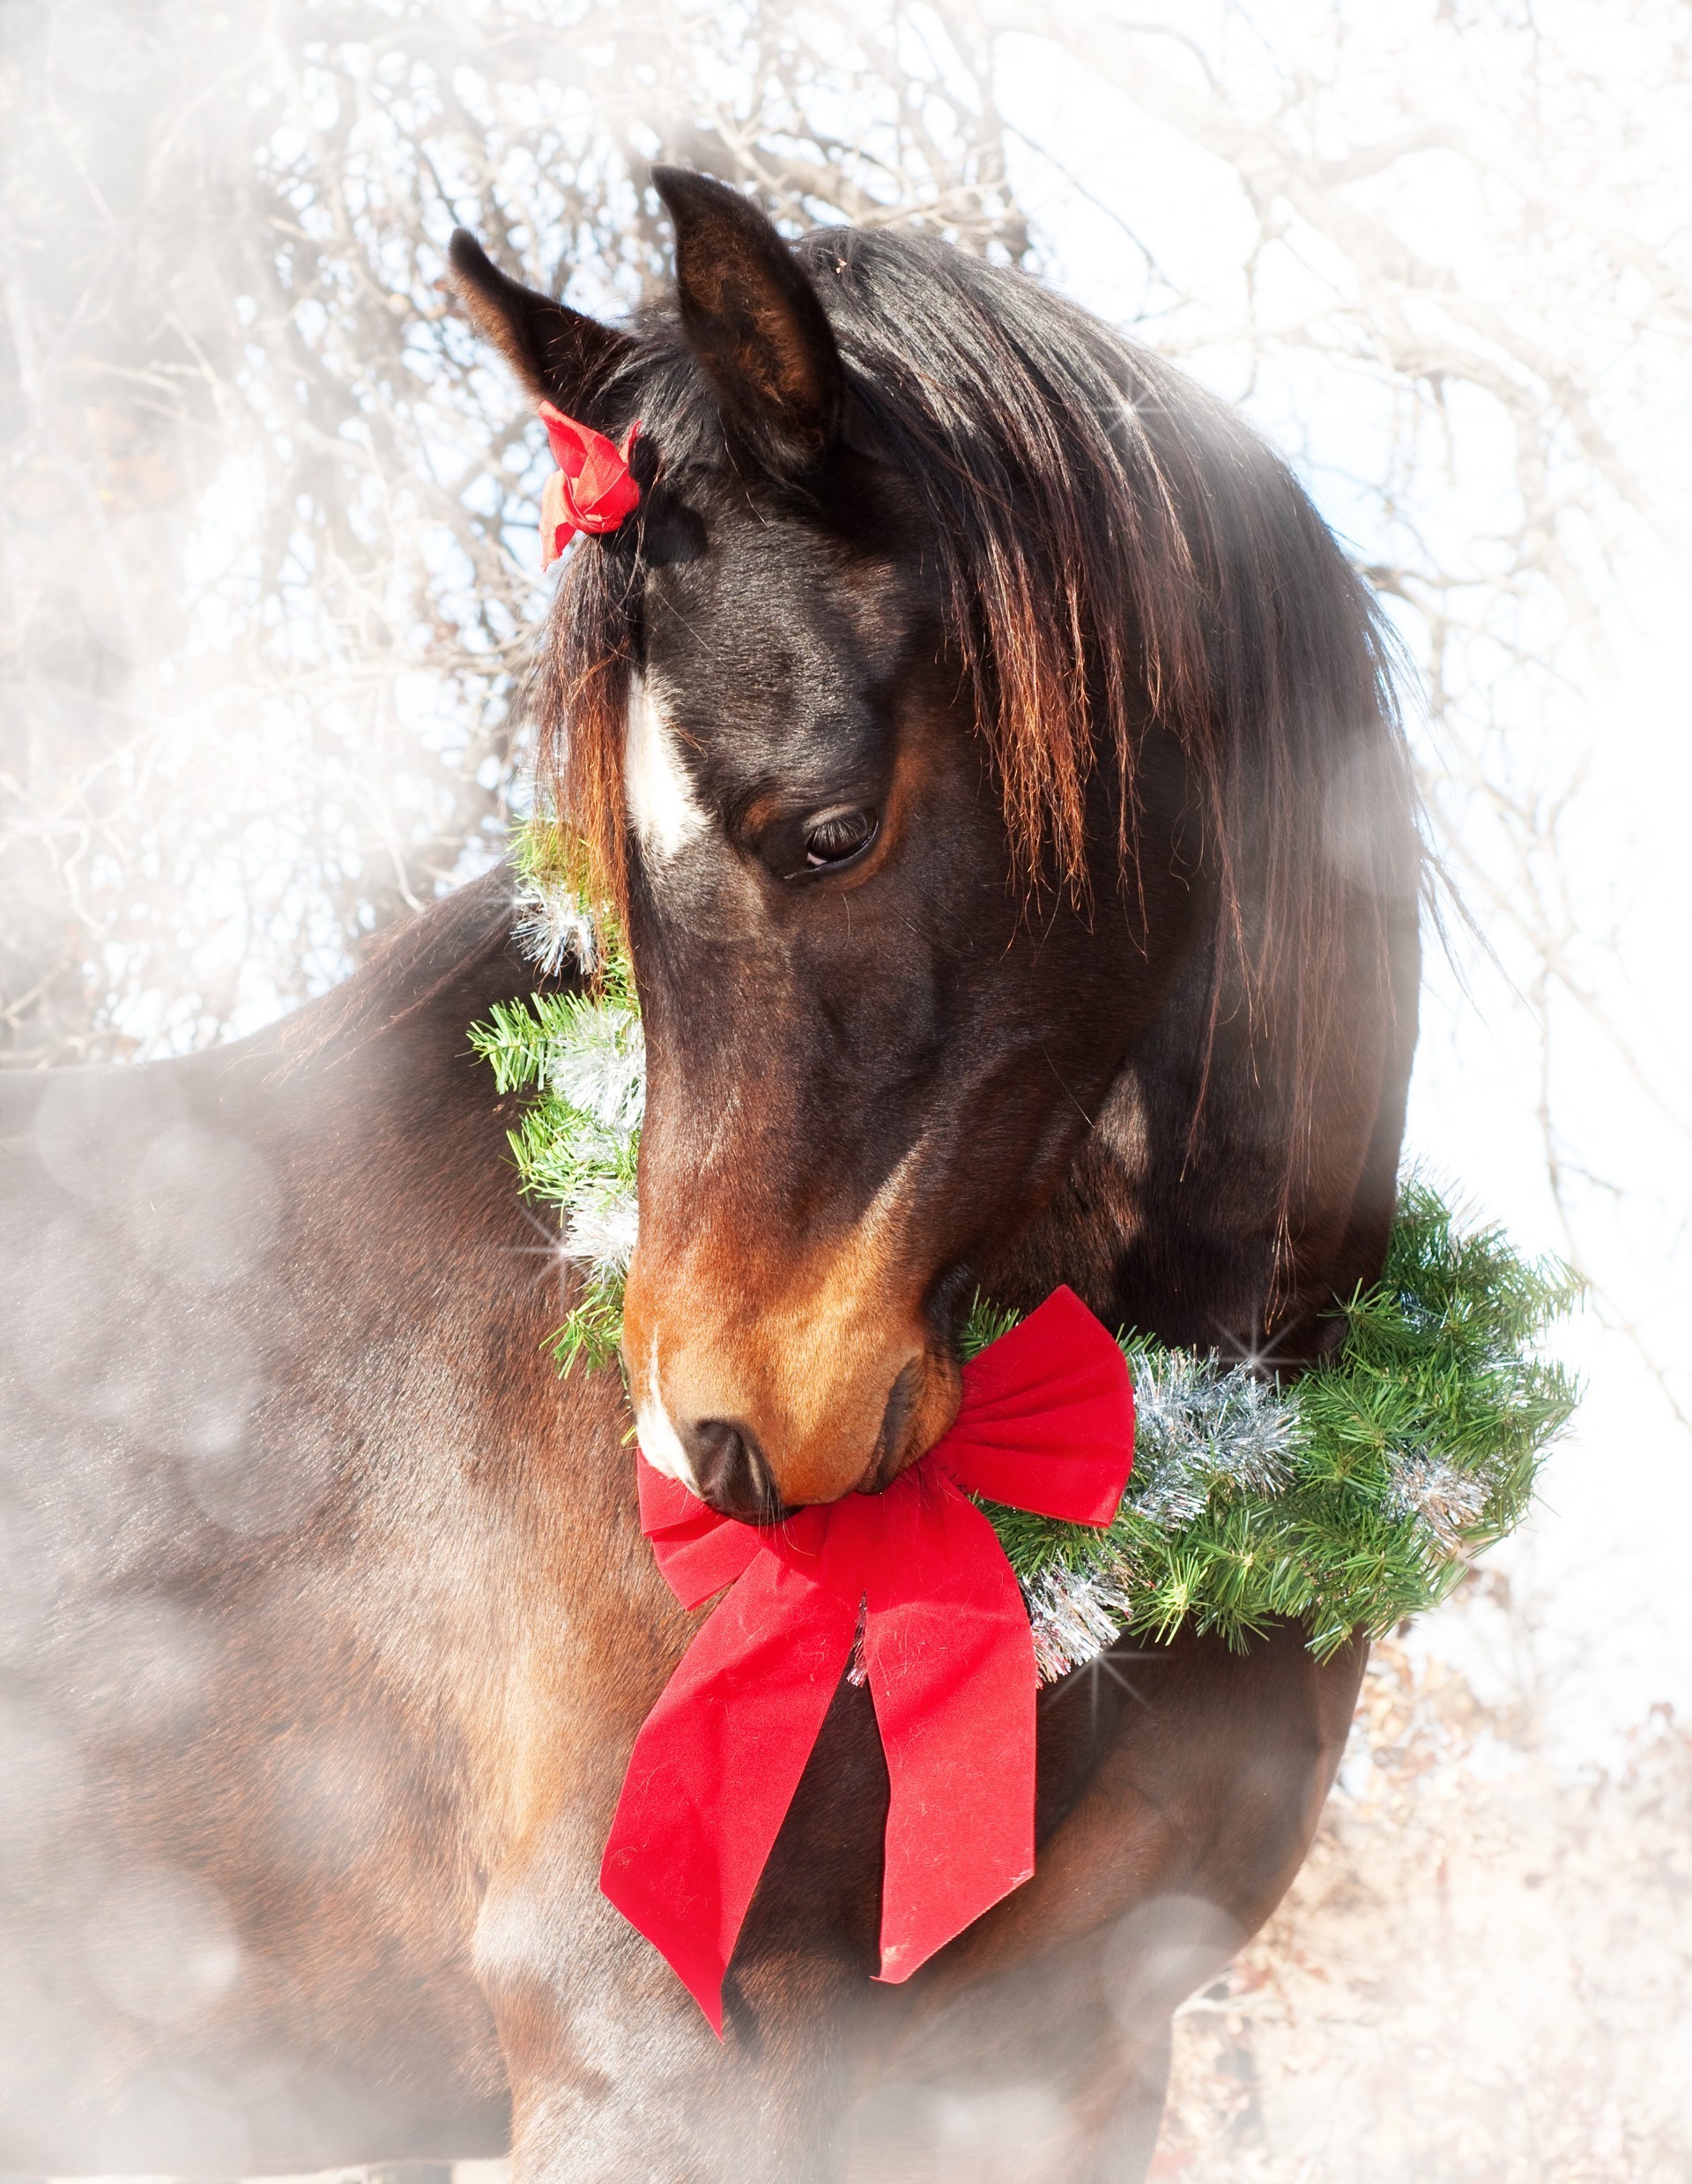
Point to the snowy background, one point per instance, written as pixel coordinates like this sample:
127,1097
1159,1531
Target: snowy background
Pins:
270,571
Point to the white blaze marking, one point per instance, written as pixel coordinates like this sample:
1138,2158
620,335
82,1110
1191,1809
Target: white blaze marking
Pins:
666,814
660,1441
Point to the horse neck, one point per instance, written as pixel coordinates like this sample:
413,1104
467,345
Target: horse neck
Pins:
1174,1217
429,978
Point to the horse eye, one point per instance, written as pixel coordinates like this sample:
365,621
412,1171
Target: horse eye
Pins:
837,835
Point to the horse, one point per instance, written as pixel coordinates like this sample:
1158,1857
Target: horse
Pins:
991,760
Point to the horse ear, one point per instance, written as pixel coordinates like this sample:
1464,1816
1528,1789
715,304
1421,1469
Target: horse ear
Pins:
560,355
752,319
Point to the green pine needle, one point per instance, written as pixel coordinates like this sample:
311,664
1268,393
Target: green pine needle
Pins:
592,1335
579,1056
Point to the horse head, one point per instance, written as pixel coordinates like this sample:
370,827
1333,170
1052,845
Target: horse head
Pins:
908,723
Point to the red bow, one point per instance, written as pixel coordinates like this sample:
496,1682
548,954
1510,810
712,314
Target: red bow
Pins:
591,488
1047,1423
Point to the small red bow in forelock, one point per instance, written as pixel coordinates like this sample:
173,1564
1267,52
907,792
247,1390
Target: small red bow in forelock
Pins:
1046,1423
591,489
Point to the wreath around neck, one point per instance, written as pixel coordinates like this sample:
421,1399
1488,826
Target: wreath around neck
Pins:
1347,1498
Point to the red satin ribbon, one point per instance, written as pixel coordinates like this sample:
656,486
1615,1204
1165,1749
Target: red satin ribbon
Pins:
591,489
1046,1423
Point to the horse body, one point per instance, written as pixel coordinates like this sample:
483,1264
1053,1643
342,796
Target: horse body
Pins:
330,1620
240,1693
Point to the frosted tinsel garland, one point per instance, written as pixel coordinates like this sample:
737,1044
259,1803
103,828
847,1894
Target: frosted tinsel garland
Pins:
1199,1428
1349,1498
1203,1431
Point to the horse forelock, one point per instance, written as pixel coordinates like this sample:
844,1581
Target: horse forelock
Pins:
1115,546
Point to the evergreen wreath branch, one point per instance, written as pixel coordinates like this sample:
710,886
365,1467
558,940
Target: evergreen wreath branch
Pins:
1347,1498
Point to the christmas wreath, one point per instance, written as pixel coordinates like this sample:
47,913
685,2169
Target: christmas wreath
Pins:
1349,1498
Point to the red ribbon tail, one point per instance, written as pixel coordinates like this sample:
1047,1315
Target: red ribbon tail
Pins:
719,1758
951,1666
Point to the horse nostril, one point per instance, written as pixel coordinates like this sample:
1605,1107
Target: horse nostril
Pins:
902,1401
730,1471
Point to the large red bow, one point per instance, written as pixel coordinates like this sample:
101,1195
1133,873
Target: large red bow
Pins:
591,490
1047,1423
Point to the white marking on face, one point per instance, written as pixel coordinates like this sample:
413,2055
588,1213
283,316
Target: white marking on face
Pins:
667,814
660,1441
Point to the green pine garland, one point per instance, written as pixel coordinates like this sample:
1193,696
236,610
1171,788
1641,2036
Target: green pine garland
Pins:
1351,1497
1401,1458
582,1056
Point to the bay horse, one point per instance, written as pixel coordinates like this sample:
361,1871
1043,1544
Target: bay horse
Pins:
992,759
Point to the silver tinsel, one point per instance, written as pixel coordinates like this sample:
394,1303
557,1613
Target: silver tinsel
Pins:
1446,1499
601,1228
1198,1426
599,1065
1077,1614
556,928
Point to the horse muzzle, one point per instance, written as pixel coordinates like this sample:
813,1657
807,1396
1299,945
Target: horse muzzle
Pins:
762,1411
